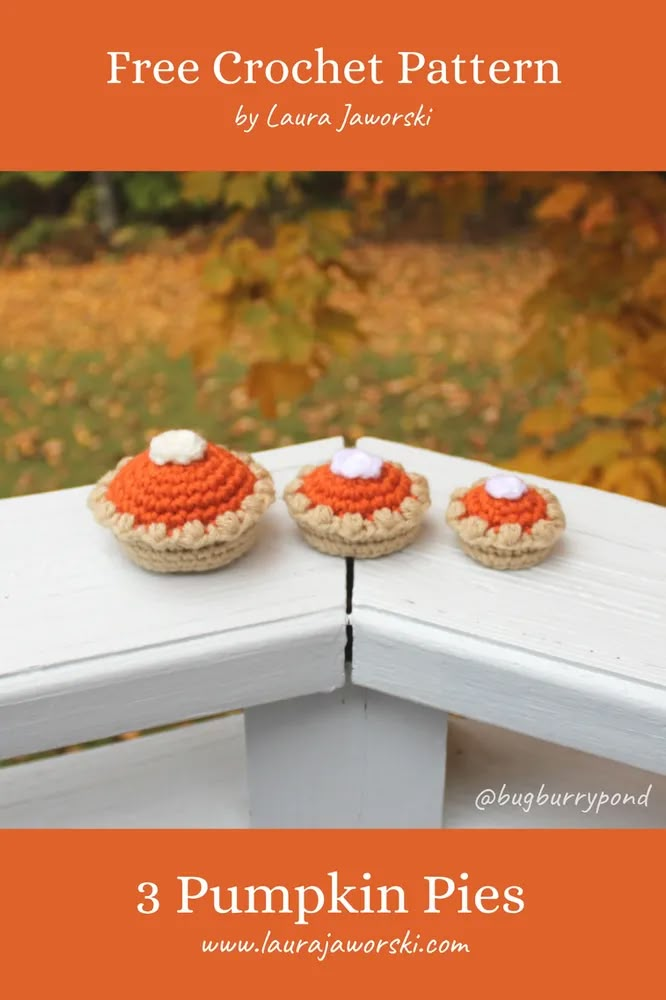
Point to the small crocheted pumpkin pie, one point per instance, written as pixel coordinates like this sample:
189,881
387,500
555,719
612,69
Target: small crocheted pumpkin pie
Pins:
505,523
184,505
358,505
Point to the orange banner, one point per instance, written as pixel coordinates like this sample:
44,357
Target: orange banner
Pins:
301,913
297,86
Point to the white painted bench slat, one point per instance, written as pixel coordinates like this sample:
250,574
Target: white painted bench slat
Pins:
196,777
188,777
91,645
572,651
351,758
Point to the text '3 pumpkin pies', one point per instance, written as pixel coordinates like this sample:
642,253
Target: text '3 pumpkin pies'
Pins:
358,505
505,523
184,505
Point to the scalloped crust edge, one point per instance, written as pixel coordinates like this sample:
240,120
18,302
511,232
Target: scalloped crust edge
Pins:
194,537
352,534
510,547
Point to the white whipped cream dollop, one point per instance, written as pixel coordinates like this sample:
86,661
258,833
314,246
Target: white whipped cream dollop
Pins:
505,486
354,463
180,447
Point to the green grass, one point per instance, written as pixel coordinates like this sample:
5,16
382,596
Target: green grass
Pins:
66,417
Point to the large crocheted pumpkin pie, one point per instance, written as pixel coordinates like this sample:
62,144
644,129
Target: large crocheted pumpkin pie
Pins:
505,523
358,505
184,505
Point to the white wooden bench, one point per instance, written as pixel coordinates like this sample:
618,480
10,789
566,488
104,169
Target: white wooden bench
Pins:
553,677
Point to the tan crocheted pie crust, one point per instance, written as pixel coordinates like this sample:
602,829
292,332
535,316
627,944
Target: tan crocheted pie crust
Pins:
195,547
509,547
352,535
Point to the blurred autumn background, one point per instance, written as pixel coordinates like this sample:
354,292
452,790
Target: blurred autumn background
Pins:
515,318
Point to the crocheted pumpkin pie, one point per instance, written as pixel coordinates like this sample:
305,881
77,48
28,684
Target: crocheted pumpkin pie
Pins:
358,505
184,505
505,523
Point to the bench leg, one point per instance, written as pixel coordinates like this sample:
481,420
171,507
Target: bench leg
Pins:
350,758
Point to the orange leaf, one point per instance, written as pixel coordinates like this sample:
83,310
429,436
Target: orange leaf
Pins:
611,392
561,204
547,420
654,285
600,213
645,236
643,477
271,383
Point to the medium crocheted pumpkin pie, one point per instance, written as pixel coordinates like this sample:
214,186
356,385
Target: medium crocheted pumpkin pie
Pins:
358,505
505,523
184,505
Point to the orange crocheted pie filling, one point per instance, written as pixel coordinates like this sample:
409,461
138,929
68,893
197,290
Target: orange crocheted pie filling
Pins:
357,496
174,494
526,510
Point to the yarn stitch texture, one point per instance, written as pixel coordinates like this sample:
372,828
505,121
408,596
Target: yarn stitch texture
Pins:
192,518
175,494
364,518
506,534
525,511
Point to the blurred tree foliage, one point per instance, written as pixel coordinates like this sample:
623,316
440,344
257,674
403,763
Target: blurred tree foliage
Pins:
599,323
272,273
283,295
77,214
280,284
597,327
